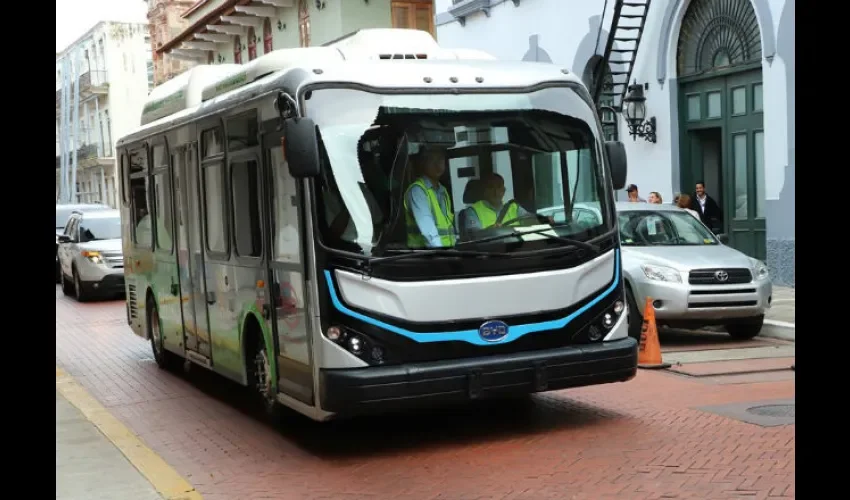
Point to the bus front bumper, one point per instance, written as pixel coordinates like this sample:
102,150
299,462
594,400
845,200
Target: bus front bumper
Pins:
381,388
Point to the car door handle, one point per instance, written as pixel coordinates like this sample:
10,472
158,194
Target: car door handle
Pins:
175,289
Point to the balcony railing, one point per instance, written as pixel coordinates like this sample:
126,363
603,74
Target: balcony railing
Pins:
85,152
93,82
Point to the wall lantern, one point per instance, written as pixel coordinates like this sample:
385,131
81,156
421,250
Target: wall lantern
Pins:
280,25
634,109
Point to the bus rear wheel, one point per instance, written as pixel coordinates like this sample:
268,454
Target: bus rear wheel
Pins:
164,359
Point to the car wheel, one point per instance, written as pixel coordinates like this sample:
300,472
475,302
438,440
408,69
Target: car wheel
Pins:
164,359
58,272
79,289
635,319
67,285
747,330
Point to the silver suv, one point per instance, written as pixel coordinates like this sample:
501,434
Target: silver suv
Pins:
63,213
90,257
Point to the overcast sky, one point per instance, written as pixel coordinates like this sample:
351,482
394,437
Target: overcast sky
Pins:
75,17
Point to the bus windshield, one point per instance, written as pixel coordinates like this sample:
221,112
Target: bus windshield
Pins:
410,172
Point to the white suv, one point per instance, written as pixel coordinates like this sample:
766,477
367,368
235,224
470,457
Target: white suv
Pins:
90,257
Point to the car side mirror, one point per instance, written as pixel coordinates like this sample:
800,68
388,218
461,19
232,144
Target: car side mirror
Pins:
723,238
301,147
616,153
63,238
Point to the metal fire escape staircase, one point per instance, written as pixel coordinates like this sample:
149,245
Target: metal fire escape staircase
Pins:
612,75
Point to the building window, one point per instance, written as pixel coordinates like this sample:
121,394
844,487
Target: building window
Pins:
252,44
304,23
267,36
237,50
413,14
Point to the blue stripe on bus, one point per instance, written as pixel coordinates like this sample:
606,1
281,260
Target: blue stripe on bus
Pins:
471,336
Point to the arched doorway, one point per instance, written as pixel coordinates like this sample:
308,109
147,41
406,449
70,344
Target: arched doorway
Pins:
721,115
237,50
268,38
252,44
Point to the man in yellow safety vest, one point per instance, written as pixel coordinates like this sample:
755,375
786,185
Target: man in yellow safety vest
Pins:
427,205
485,212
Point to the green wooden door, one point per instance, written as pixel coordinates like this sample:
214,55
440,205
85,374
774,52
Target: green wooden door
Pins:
745,164
722,143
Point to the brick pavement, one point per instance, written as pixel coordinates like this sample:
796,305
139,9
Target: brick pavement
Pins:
638,440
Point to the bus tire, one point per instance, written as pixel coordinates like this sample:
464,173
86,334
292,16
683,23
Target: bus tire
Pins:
635,319
258,362
164,359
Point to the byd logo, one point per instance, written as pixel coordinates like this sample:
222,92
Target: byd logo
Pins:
493,331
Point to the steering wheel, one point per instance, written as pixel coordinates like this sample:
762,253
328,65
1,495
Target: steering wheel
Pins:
530,216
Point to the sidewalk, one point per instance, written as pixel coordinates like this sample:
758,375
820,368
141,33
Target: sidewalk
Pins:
780,319
89,466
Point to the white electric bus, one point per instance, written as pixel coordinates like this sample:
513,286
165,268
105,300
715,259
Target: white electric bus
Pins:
267,236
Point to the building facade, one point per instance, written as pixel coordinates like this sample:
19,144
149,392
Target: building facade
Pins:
102,81
165,19
238,31
718,79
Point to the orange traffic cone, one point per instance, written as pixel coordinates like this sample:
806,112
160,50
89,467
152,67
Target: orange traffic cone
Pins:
649,352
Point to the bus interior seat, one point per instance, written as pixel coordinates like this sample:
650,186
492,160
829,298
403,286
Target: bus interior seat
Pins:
472,193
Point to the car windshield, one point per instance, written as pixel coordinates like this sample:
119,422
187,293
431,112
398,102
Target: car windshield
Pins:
100,228
403,172
646,228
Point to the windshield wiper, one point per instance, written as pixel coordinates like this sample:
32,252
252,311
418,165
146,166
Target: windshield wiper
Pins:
542,231
366,264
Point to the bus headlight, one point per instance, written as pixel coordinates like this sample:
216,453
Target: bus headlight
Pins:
601,326
357,344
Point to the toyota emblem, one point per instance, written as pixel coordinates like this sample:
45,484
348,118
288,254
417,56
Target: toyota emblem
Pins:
721,275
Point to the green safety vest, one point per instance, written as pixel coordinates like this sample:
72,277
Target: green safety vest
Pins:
487,216
445,220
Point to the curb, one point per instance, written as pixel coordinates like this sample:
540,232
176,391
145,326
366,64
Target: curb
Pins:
168,482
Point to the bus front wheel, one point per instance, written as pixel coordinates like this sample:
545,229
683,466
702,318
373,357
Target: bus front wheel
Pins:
260,380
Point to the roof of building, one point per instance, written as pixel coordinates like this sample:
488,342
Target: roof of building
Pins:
88,34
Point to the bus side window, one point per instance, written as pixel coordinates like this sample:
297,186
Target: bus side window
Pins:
141,223
287,245
214,195
247,226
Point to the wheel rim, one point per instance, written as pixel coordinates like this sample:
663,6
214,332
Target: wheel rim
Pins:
156,338
262,370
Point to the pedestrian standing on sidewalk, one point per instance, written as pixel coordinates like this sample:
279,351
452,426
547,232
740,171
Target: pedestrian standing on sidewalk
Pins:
632,191
684,202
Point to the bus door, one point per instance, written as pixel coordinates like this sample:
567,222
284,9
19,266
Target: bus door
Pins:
190,254
287,294
182,226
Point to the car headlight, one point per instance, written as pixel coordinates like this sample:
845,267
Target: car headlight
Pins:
760,271
94,257
662,273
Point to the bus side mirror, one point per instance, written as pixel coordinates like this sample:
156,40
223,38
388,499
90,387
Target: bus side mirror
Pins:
301,147
616,152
